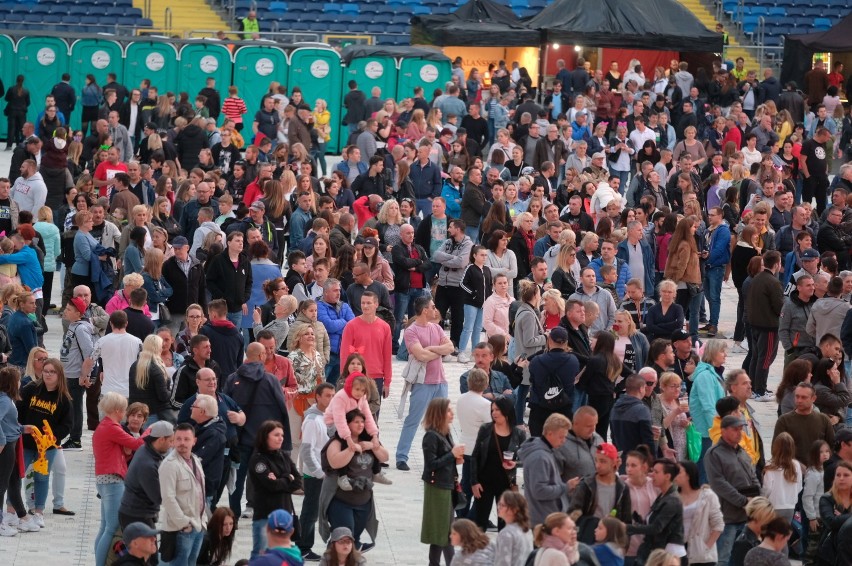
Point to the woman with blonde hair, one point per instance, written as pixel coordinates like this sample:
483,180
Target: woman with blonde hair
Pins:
564,280
691,146
51,239
158,288
160,241
161,215
194,321
759,511
390,221
553,309
556,540
149,384
631,346
322,124
121,299
278,212
435,118
288,184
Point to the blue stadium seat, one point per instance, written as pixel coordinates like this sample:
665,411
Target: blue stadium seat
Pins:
441,10
330,7
364,19
350,9
89,20
37,9
777,11
146,22
337,28
278,7
421,10
52,19
822,23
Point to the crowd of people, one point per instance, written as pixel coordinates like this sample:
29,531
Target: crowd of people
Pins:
229,317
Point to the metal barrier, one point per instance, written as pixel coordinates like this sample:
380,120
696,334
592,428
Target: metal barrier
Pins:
280,36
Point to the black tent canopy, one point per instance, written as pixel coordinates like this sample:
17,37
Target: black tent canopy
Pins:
481,23
357,51
649,24
800,49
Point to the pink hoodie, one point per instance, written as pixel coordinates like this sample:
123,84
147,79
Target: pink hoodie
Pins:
119,302
342,403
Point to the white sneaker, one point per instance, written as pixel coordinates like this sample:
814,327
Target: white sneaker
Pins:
28,525
382,479
7,531
39,519
738,348
449,358
247,513
464,358
11,519
766,398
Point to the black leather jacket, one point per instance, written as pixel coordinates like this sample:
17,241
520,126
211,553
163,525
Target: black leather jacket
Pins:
439,467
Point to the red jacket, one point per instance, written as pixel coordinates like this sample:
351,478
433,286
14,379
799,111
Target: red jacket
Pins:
108,443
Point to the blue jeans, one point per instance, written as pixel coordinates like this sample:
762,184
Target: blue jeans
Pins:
404,305
354,517
236,318
726,542
236,498
332,368
713,288
110,494
693,305
310,512
472,327
580,399
41,482
188,549
421,395
472,232
521,402
258,537
706,443
465,485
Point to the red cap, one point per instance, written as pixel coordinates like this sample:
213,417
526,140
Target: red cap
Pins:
608,450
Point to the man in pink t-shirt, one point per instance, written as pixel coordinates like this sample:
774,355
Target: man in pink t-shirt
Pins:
427,342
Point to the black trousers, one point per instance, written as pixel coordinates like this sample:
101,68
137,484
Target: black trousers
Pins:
452,299
482,506
10,479
763,353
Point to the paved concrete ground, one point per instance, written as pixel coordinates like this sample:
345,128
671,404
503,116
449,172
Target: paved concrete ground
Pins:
68,541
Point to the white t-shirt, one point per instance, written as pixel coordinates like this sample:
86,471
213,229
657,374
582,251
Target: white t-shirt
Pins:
118,351
473,411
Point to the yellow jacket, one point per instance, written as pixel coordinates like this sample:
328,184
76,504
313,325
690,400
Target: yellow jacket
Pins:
750,441
786,130
322,124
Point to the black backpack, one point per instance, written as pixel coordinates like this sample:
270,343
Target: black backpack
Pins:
513,312
555,396
531,558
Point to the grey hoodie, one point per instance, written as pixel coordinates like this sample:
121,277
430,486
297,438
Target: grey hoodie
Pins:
684,80
826,317
201,233
544,489
453,257
576,457
605,302
793,322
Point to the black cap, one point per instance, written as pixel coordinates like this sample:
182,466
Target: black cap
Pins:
679,335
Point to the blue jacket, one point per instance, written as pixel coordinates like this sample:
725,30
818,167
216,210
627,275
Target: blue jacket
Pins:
542,245
156,293
647,260
334,321
189,216
451,194
10,430
497,384
22,337
426,180
720,246
623,273
298,224
343,167
29,267
101,272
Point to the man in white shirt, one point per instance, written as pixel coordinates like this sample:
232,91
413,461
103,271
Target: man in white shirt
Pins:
473,410
117,352
29,191
314,438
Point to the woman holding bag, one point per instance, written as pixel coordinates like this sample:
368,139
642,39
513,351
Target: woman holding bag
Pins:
440,474
493,463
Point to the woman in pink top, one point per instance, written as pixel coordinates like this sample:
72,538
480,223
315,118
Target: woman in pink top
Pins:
495,310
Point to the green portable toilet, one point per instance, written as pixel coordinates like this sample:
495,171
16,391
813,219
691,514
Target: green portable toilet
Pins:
42,61
425,68
201,60
254,68
370,66
96,57
154,60
7,70
317,71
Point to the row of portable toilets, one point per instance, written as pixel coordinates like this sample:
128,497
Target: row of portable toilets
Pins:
316,69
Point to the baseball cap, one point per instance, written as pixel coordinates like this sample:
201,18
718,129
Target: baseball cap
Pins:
559,335
608,450
180,241
732,420
281,520
340,533
679,335
258,205
79,304
810,253
137,530
842,435
599,155
161,429
371,242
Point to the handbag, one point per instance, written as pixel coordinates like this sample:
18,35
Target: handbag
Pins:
165,313
459,497
693,443
693,288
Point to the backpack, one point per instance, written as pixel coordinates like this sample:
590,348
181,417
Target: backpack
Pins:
531,558
555,396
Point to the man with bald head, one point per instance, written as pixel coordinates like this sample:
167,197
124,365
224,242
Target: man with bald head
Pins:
260,396
189,217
